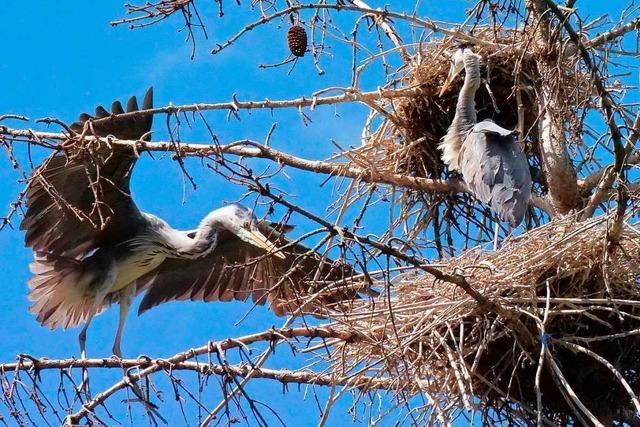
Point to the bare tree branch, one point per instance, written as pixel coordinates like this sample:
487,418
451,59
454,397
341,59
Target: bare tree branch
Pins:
303,376
613,34
424,23
349,95
273,335
248,148
446,322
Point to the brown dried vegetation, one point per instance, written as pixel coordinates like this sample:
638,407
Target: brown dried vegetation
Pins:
432,337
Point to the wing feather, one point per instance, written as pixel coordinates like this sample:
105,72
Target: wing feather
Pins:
76,202
235,270
496,169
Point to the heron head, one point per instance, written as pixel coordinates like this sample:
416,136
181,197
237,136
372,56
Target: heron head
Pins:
457,65
241,221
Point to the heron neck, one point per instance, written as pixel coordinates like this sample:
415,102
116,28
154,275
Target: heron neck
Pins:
465,117
205,240
192,244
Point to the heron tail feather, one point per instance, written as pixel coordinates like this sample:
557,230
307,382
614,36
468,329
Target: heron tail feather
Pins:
62,291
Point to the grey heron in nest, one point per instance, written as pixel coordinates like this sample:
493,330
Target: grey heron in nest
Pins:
94,247
488,156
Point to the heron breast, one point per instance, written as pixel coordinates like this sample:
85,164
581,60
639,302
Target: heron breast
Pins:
136,266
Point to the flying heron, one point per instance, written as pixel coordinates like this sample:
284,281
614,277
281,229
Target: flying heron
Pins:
489,156
94,247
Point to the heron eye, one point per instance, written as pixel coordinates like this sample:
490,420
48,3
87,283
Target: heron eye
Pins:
246,224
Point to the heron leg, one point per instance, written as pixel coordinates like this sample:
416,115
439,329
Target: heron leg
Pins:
496,235
126,296
82,340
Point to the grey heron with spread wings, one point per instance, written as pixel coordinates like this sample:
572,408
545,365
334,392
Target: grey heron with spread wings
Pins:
94,247
491,161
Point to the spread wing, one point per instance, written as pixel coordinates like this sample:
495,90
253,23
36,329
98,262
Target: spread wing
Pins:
496,169
236,270
78,200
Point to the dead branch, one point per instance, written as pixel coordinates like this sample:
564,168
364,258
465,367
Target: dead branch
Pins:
613,34
608,105
273,336
303,376
382,14
248,148
349,95
501,331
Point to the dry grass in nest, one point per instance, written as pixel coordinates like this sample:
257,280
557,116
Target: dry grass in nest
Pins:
577,301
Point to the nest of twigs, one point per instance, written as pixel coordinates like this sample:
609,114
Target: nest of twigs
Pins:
405,141
429,115
564,337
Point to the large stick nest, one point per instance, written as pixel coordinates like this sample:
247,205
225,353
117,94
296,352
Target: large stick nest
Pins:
574,293
406,139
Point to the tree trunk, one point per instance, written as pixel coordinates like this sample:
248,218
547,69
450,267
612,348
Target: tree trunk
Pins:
556,164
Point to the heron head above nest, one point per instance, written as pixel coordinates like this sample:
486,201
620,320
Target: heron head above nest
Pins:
459,57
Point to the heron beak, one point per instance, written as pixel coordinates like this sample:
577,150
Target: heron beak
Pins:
453,73
259,240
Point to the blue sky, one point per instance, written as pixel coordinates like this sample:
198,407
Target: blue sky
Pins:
61,58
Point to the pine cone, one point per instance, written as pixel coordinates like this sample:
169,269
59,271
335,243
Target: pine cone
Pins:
297,40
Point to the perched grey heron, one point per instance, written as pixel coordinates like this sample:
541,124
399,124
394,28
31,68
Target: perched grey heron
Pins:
94,247
489,157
